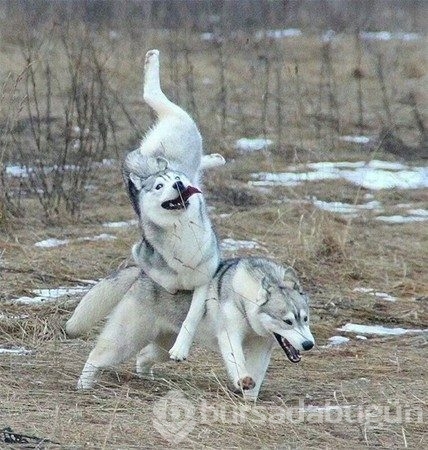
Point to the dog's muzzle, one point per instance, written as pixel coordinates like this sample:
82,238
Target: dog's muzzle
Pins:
292,354
182,201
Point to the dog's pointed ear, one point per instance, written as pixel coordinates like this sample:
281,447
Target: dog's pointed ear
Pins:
155,164
162,163
134,184
249,286
136,181
289,279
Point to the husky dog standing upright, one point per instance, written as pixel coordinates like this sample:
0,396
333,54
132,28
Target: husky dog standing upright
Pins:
253,303
178,247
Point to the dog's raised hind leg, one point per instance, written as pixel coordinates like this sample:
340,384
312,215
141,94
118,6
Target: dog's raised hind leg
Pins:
153,94
123,336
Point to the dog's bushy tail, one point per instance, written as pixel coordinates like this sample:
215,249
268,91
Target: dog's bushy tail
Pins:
100,301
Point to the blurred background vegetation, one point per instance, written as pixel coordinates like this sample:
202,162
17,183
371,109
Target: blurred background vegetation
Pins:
302,73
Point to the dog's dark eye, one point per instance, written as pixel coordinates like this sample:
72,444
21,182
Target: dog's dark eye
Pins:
305,319
159,186
288,322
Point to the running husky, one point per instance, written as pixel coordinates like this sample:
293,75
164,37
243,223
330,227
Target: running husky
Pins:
252,303
178,248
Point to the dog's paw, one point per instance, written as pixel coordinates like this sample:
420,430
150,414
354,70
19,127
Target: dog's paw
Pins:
246,383
219,159
151,56
212,160
179,351
144,369
84,383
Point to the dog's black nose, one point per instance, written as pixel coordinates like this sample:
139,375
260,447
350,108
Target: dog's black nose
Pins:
307,345
179,186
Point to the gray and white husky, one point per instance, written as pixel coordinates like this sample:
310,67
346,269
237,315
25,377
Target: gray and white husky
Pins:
178,248
252,305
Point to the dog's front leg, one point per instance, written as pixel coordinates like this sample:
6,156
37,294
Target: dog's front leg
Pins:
231,346
181,348
258,352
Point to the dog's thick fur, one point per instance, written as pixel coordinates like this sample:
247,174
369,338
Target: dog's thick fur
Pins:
252,304
178,248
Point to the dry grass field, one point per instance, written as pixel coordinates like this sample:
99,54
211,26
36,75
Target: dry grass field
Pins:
304,93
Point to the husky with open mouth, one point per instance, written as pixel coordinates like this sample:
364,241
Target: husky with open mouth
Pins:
178,247
253,305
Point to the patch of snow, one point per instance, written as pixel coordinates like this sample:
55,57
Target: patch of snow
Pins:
376,178
15,351
47,295
385,296
106,162
232,245
335,341
252,145
373,175
336,207
292,179
418,212
21,171
347,209
362,338
16,171
114,35
50,243
373,205
387,165
397,219
60,292
128,223
328,36
388,36
363,289
100,237
335,165
278,34
382,295
378,329
355,139
13,317
316,409
207,36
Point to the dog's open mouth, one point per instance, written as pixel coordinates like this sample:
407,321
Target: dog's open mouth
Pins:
181,201
292,354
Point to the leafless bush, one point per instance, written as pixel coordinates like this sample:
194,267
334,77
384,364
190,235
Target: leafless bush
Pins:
61,149
11,105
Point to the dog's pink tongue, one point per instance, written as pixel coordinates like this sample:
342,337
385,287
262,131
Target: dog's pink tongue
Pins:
190,190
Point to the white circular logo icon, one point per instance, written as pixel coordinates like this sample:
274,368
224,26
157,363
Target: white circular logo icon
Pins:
173,416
